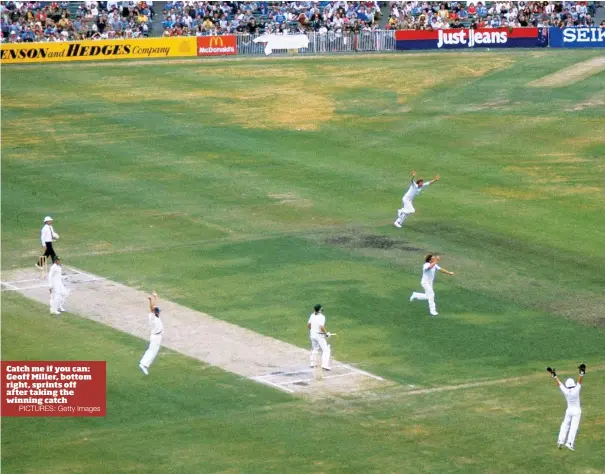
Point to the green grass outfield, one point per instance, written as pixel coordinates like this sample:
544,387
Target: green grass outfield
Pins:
253,189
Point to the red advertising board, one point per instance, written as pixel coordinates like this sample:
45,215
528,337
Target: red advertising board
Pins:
53,388
216,45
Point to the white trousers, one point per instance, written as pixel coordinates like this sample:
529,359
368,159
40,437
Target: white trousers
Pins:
408,207
155,341
319,342
406,210
428,294
569,428
58,295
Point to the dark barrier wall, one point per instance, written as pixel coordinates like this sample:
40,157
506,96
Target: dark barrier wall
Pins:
466,38
580,37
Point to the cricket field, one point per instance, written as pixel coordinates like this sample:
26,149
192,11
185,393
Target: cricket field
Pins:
251,189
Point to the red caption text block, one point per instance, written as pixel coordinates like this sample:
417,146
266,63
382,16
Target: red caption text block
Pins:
53,388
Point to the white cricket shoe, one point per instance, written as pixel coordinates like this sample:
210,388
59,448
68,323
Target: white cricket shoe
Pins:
397,224
434,313
56,313
62,309
570,447
412,298
144,369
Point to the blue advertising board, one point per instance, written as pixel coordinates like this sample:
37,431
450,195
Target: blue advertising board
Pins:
577,37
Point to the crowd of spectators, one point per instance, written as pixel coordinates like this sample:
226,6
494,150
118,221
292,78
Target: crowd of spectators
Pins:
477,14
211,18
60,21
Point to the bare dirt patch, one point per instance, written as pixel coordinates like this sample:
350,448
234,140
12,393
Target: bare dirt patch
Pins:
197,335
291,199
369,241
597,101
572,74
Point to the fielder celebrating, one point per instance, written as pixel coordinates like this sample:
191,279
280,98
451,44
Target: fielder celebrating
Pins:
428,276
408,198
58,292
319,336
47,236
155,338
571,421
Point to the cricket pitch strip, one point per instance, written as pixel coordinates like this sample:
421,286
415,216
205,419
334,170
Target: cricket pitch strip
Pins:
200,336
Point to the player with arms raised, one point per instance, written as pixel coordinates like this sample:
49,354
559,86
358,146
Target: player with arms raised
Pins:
408,198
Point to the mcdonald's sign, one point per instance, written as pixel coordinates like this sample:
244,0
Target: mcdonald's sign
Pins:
216,45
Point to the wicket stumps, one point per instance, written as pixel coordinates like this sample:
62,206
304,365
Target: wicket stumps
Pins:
43,267
318,370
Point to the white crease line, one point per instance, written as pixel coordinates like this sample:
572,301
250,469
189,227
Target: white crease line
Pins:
89,275
25,288
367,374
309,380
274,385
22,281
31,287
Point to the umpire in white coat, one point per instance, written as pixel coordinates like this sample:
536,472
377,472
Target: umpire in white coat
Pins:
47,237
319,336
58,292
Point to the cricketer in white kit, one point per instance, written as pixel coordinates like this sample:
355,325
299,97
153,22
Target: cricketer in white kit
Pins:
573,414
155,338
428,277
58,292
319,338
408,198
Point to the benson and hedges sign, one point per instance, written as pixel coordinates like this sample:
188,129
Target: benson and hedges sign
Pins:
98,50
467,38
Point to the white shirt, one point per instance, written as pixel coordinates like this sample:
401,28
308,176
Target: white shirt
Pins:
414,190
428,274
156,324
47,234
572,395
317,321
54,276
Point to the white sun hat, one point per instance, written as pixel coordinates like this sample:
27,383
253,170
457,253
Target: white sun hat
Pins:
48,218
570,383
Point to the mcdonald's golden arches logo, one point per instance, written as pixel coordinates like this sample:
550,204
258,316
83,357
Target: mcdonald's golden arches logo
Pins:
216,45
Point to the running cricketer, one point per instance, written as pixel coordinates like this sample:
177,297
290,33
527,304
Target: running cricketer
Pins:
428,277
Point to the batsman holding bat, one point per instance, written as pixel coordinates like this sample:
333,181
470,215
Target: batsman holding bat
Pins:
571,421
319,338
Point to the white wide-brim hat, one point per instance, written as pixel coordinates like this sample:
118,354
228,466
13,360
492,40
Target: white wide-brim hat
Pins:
570,383
48,218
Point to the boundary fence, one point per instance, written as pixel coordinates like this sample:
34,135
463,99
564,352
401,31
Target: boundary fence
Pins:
318,43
